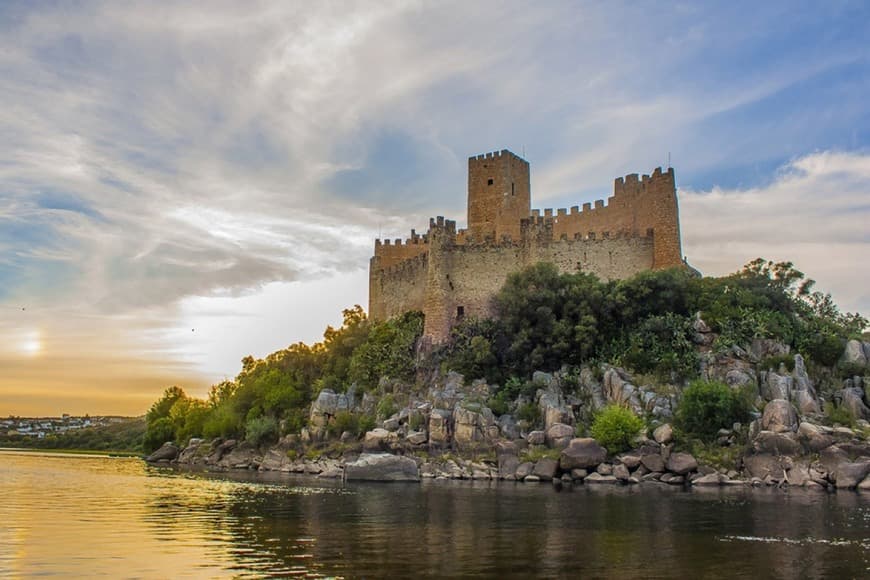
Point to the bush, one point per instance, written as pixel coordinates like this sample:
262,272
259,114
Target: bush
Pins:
849,370
773,362
261,430
616,427
386,407
662,345
344,421
840,415
825,349
707,407
529,412
159,432
366,423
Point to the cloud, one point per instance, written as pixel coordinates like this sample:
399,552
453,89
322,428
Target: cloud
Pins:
814,213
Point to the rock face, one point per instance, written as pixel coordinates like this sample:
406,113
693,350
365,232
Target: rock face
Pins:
582,453
167,452
854,353
804,394
779,416
439,428
471,425
324,409
378,439
559,435
852,400
777,387
382,467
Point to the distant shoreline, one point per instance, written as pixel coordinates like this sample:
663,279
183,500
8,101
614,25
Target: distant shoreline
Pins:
97,452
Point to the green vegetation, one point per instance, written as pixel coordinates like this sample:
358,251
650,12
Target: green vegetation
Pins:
616,428
270,396
707,407
839,416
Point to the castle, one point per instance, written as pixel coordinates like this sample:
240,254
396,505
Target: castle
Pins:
448,273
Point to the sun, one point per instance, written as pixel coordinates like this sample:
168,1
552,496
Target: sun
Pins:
31,343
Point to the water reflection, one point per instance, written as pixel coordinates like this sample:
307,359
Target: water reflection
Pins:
74,516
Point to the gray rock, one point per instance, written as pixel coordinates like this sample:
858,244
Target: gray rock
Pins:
531,479
854,353
779,416
653,462
776,443
621,473
762,348
853,401
379,439
524,469
242,456
764,465
559,435
392,424
663,434
806,402
630,460
865,483
324,409
682,463
777,386
598,478
546,468
832,457
579,474
382,467
604,469
708,480
813,438
416,438
508,427
582,453
167,452
439,428
849,475
536,438
471,426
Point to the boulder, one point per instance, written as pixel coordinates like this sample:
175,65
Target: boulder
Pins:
275,459
853,401
167,452
832,457
416,438
777,386
579,474
546,468
849,475
812,438
378,439
536,438
764,465
663,434
630,460
854,353
779,416
653,462
604,469
470,425
241,456
598,478
559,435
506,453
190,454
582,453
382,467
708,480
524,470
762,348
776,443
391,424
508,427
682,463
439,427
621,473
324,409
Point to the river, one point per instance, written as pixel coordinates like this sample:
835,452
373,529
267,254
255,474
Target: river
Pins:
87,516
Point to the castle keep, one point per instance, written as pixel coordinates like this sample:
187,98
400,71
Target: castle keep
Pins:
448,273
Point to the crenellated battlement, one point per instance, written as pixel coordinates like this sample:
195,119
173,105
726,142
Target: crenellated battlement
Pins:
449,273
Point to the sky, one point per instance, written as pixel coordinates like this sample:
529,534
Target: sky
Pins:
185,184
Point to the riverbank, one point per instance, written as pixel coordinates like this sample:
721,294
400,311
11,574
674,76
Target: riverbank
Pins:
93,452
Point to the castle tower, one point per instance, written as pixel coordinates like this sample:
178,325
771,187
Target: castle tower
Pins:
498,195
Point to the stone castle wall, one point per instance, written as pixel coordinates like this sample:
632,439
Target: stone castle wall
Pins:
449,273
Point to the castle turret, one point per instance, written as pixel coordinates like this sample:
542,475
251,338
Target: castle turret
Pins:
498,195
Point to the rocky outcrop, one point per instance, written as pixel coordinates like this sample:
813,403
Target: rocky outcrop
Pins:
382,467
852,399
473,423
855,353
324,409
167,452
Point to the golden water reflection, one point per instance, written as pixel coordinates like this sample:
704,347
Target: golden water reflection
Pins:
90,516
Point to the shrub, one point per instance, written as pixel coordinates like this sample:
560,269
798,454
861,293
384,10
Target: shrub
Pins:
849,370
662,345
824,349
261,430
616,427
773,362
707,407
386,407
344,421
366,423
840,415
528,412
159,432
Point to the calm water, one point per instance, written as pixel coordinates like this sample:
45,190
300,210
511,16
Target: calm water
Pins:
97,516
